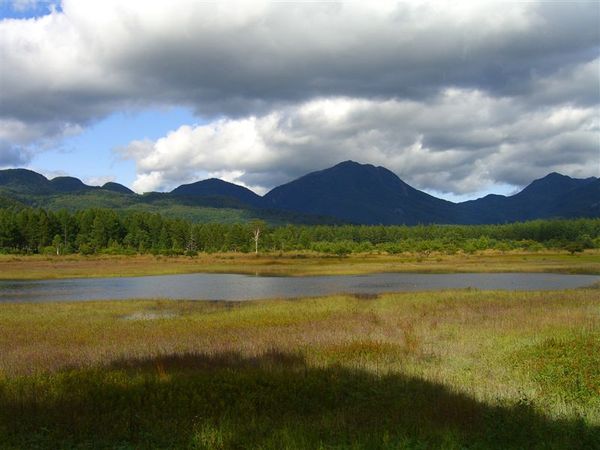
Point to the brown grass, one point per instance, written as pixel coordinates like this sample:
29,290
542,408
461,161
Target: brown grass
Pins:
463,339
45,267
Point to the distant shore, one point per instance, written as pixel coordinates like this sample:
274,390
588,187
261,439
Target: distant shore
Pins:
18,267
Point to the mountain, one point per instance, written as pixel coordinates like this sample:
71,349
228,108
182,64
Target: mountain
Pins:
554,195
361,193
214,187
116,187
23,180
68,184
205,201
28,182
552,185
582,201
346,193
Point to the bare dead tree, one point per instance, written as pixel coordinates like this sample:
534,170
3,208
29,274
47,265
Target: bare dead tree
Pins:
256,234
191,246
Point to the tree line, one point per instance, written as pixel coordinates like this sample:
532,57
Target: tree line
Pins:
104,231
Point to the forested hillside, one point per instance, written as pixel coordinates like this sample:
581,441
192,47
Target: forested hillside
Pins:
204,201
31,230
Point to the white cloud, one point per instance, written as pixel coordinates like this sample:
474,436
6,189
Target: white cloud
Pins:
462,141
50,174
99,180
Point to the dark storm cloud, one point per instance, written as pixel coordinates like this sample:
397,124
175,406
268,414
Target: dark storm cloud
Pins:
240,61
292,54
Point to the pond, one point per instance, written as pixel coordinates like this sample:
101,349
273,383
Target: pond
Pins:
248,287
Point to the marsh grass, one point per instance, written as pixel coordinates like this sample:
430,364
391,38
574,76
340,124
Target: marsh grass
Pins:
292,264
452,369
567,368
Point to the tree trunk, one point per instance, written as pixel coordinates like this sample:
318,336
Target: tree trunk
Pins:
256,236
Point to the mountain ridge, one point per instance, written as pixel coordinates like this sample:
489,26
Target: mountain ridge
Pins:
348,191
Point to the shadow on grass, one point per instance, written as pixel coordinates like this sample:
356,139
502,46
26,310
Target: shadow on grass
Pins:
272,401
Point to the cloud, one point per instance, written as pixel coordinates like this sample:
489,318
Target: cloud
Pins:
461,141
241,58
450,96
50,174
99,181
20,141
12,156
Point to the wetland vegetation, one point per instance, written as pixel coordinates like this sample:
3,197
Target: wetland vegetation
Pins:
452,369
21,267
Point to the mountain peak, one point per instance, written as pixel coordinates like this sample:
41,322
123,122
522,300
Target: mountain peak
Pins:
360,193
68,184
24,180
215,181
554,176
215,187
116,187
18,175
350,163
551,185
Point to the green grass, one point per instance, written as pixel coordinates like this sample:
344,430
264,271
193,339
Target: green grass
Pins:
272,401
453,369
566,368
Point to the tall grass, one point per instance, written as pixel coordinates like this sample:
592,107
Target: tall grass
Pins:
453,369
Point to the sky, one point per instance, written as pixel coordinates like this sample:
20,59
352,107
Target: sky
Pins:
459,99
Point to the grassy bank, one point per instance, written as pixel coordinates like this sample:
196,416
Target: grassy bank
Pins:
290,264
450,369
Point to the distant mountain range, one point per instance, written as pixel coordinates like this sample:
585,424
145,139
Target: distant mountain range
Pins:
23,181
362,193
348,192
205,201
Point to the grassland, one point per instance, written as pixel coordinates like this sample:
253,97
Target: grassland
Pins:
452,369
300,264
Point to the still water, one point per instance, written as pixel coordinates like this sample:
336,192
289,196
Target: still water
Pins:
247,287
